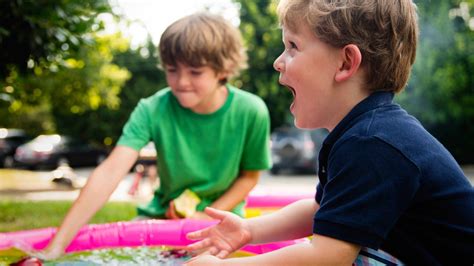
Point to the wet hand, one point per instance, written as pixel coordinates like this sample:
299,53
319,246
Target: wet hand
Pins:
49,253
220,240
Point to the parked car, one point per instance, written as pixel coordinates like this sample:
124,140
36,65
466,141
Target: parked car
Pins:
56,150
296,149
10,139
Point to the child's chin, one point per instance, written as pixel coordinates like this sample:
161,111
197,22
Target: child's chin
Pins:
187,104
302,124
297,123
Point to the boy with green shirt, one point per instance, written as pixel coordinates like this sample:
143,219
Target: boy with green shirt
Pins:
201,151
211,138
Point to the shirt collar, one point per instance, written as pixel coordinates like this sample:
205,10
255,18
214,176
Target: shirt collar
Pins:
373,101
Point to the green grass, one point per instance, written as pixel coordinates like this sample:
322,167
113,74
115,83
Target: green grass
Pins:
24,215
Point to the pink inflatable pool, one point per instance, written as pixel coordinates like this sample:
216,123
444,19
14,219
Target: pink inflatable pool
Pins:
125,234
263,198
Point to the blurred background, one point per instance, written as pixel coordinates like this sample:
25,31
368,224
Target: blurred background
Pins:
72,71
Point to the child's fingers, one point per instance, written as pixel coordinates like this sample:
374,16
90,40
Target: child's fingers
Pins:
222,254
213,251
196,252
198,235
215,213
199,245
171,212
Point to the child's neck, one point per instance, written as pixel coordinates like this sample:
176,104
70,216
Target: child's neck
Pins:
348,97
214,102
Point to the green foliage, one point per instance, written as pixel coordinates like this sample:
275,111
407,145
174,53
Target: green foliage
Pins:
71,79
92,82
57,72
68,96
262,36
441,88
45,32
26,215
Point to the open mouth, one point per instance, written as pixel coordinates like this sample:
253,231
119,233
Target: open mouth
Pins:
292,90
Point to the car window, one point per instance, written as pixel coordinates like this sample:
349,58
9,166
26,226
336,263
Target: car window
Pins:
16,139
75,143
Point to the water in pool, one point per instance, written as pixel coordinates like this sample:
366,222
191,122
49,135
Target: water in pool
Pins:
127,256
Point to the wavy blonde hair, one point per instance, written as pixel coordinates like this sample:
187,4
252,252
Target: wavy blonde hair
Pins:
386,32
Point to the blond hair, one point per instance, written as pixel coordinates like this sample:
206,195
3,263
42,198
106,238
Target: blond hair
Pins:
386,32
204,39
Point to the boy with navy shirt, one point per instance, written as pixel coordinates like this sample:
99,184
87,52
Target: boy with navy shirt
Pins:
385,182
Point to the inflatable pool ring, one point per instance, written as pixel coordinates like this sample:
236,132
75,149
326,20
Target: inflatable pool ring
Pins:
126,234
262,201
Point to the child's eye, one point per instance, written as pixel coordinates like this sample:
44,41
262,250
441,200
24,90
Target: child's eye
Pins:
170,70
196,72
293,45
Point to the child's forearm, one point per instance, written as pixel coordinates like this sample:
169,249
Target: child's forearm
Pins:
291,222
100,185
300,254
238,191
321,251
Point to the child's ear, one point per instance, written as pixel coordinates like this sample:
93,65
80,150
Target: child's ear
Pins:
351,59
222,75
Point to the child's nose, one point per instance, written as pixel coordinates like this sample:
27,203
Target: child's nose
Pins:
278,65
183,80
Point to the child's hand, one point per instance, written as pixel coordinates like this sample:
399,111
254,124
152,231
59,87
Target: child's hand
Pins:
171,212
201,216
49,253
220,240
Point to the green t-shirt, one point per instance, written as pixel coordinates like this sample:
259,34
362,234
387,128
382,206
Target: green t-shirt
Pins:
202,152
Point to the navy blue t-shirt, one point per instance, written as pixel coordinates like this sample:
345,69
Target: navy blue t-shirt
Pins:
386,183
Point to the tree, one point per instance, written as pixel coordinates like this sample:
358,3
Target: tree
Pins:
58,71
89,88
68,98
42,33
440,91
262,36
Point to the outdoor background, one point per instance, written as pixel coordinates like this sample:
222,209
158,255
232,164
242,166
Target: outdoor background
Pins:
73,67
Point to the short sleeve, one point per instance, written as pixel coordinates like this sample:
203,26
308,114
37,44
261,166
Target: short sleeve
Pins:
369,185
256,153
136,133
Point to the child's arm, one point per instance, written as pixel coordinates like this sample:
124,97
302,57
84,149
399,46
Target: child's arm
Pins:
239,190
100,185
233,232
293,221
321,251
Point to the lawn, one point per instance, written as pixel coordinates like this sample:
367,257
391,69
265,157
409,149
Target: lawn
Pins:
24,215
